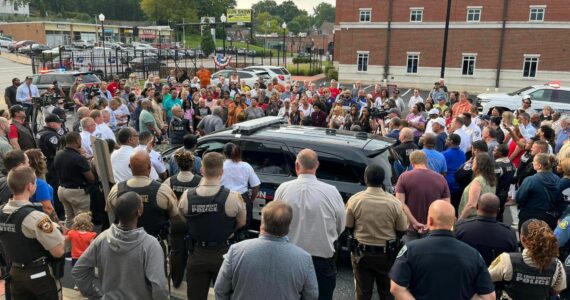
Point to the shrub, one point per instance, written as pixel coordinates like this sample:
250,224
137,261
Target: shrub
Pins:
301,60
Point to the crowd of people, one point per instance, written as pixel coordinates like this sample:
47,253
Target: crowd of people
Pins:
480,202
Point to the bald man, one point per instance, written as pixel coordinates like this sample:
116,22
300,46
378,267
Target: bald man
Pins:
406,147
485,233
318,218
160,202
440,260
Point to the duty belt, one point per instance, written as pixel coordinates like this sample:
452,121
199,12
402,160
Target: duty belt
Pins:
372,249
204,244
42,261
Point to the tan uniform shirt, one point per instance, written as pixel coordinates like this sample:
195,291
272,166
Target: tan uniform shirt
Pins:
375,216
182,176
157,114
501,269
165,198
234,207
37,225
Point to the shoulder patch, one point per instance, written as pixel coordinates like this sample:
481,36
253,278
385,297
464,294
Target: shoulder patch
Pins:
45,225
402,251
53,140
564,224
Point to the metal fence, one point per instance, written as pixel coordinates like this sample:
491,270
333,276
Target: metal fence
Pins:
122,62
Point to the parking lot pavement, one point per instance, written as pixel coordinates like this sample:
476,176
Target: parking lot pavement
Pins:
9,70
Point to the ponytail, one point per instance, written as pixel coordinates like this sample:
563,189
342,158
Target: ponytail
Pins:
233,152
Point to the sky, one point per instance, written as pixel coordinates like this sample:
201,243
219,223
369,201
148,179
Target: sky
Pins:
302,4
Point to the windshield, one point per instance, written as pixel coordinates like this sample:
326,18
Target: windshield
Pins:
89,78
518,92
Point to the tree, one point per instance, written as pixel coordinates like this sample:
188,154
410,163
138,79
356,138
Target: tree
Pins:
267,6
294,27
164,10
304,22
207,44
266,23
288,10
214,8
323,12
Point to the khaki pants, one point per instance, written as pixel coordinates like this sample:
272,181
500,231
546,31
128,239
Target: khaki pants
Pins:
74,202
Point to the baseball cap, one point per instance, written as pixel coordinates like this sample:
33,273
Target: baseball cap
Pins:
526,97
287,100
433,111
440,121
440,97
52,118
395,111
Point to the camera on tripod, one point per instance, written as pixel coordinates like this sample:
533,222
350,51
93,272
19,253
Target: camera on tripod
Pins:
91,92
376,113
46,100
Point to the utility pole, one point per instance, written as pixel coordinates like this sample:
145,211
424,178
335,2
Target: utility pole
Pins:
445,36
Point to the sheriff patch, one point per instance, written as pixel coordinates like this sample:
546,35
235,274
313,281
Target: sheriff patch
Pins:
563,225
45,225
402,251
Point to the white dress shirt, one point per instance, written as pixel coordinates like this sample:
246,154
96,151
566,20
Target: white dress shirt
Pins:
23,93
158,166
414,100
465,144
106,132
238,177
121,159
86,141
318,214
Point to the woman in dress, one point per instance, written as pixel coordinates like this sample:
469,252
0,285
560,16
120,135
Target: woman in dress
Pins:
484,181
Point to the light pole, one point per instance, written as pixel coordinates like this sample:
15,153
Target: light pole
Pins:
284,26
102,20
223,18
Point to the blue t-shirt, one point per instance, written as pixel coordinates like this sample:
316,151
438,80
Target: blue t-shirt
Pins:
44,192
440,141
436,161
454,158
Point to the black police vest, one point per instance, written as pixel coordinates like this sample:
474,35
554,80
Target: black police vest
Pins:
528,282
206,217
178,129
17,247
154,219
505,172
25,137
180,186
45,144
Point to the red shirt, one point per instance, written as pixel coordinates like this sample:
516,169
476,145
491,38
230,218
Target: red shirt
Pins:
13,132
80,240
517,159
112,87
334,92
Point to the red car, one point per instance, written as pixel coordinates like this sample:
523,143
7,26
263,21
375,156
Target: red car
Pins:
17,45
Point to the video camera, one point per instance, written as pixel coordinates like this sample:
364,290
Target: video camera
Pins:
46,100
91,92
376,113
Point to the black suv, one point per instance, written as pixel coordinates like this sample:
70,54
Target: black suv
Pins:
271,148
65,79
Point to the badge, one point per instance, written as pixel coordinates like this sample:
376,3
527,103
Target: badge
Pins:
45,225
564,224
53,140
402,251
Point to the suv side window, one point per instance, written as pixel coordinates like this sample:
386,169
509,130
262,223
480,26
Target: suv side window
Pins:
561,96
265,158
244,75
210,146
541,95
334,168
46,79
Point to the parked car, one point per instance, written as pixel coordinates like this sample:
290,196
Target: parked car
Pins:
146,64
65,79
17,45
550,94
33,49
83,44
5,41
271,149
280,73
250,77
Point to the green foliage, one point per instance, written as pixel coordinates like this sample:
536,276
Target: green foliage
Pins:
164,10
304,22
301,60
266,23
304,69
323,12
207,43
268,6
211,8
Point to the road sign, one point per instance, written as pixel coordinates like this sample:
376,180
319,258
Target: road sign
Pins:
239,15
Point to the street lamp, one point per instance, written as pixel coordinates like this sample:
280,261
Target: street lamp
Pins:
223,18
284,26
102,20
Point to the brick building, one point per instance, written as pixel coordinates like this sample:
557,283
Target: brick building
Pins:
502,44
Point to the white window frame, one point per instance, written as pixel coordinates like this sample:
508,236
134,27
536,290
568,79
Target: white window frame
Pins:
463,60
530,57
536,9
362,12
417,9
474,8
417,55
363,54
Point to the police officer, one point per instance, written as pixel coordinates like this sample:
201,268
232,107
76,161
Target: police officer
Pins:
179,184
179,127
160,203
440,260
374,217
49,142
505,171
534,273
212,214
484,233
29,239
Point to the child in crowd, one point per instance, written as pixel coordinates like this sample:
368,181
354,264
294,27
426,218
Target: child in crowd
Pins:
80,235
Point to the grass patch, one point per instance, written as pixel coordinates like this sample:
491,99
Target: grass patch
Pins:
193,41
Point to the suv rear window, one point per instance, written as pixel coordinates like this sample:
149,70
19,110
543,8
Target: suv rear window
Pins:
89,78
266,158
335,169
277,71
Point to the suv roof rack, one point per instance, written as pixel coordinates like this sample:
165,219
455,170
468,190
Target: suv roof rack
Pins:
249,127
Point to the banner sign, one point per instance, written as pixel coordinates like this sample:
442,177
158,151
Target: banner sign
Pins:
239,15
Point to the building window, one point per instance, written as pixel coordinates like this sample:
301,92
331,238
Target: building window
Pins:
413,62
530,66
468,65
362,62
473,14
536,14
365,15
416,14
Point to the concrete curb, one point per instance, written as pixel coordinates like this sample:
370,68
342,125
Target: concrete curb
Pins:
21,59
